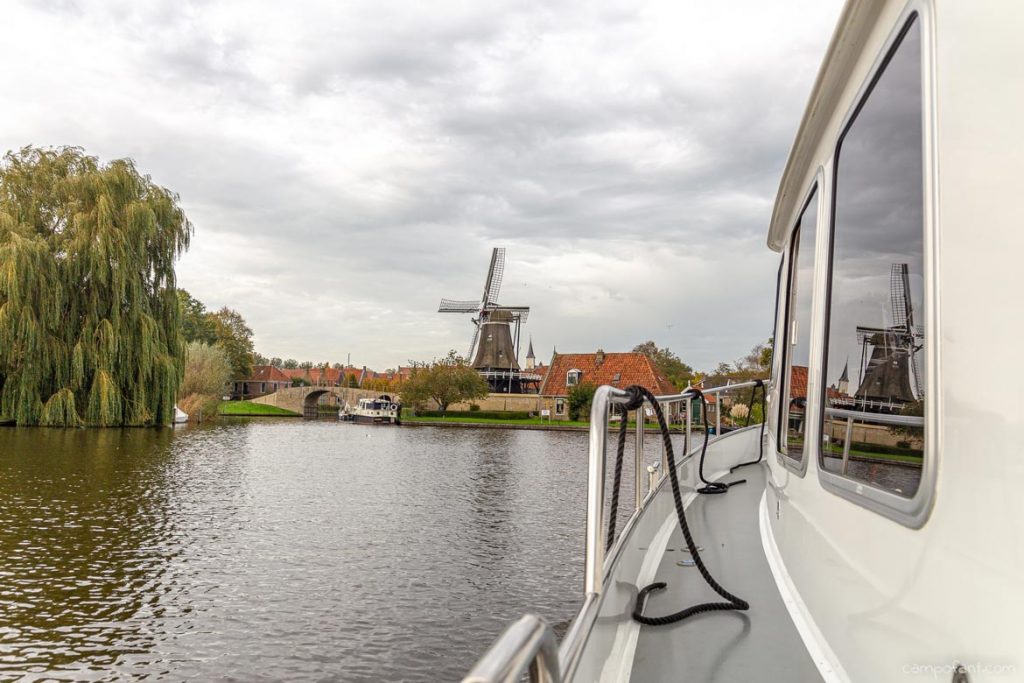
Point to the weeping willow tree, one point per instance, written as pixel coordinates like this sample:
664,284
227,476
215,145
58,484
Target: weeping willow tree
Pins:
89,318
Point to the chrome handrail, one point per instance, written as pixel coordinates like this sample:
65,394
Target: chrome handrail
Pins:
527,644
880,418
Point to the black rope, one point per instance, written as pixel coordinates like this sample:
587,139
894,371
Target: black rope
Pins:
617,484
709,486
764,419
639,394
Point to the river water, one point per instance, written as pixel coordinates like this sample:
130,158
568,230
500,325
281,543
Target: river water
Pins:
282,550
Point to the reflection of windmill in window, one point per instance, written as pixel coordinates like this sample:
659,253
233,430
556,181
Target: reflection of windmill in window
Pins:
889,369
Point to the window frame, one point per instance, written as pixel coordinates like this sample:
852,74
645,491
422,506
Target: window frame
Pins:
576,375
798,467
911,512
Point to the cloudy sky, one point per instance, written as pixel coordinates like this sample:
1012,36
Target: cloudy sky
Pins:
347,164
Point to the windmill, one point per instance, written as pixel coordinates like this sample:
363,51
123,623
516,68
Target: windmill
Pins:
498,347
889,367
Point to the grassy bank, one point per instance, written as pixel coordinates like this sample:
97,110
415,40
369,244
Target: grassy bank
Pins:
494,421
249,409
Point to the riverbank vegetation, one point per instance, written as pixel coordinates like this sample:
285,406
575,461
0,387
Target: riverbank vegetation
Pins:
89,316
445,381
225,329
250,409
207,373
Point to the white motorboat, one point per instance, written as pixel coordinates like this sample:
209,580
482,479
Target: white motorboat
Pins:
879,533
381,410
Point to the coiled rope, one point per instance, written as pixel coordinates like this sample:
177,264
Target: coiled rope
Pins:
638,395
709,486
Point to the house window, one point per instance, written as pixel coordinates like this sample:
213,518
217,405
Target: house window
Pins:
263,387
559,406
572,378
873,421
797,330
617,378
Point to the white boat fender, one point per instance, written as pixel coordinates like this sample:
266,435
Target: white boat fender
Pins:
394,406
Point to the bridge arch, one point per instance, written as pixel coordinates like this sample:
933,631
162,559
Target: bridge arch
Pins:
303,400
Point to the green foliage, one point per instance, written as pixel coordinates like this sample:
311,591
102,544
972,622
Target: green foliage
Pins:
235,337
912,409
667,363
247,409
446,381
755,365
353,381
196,323
207,370
580,398
89,315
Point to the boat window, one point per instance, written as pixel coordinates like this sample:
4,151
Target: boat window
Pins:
793,406
872,422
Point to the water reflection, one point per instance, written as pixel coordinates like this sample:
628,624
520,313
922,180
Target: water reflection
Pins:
281,550
86,539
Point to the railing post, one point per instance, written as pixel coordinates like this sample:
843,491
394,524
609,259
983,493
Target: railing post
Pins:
593,568
689,426
652,476
846,443
718,416
638,465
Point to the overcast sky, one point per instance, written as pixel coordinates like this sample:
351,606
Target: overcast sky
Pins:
348,164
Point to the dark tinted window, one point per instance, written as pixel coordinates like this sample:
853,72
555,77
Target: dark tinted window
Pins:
875,336
798,329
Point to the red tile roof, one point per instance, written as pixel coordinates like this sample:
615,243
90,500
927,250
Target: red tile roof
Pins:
617,369
315,375
798,382
266,373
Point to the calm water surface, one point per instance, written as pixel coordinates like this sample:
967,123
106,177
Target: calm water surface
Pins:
281,550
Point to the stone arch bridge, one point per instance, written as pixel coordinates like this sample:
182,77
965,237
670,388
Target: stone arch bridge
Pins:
304,400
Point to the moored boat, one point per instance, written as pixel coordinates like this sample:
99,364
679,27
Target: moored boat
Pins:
381,410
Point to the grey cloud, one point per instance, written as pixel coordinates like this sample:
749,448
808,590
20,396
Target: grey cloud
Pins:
347,165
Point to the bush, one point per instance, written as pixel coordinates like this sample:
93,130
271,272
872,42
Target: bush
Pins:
474,408
580,397
207,370
194,403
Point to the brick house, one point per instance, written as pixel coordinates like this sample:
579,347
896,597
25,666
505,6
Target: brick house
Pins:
264,379
615,369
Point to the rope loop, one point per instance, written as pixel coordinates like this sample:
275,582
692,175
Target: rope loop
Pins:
732,602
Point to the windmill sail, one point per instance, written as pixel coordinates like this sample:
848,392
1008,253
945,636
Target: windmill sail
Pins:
494,276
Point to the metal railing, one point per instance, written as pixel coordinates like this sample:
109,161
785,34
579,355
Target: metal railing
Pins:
528,644
604,398
876,418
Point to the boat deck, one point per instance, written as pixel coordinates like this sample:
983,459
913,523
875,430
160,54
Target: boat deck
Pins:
761,644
